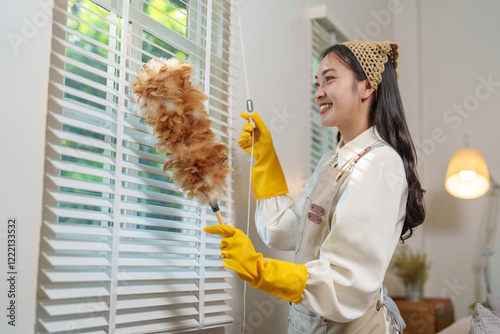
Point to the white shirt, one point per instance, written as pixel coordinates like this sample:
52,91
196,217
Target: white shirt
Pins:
365,229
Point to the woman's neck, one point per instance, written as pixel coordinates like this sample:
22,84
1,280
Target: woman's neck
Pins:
353,132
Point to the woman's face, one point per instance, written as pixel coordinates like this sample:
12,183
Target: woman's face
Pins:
338,94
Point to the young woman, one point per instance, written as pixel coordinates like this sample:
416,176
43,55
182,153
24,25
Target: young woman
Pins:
360,201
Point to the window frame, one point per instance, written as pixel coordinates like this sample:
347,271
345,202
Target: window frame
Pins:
122,139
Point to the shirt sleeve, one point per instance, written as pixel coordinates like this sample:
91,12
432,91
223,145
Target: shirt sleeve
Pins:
366,227
277,222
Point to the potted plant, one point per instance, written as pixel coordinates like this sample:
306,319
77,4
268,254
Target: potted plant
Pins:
412,268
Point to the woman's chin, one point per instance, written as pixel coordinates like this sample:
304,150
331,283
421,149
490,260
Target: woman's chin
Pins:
327,123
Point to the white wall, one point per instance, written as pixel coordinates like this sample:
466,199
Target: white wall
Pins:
456,44
25,64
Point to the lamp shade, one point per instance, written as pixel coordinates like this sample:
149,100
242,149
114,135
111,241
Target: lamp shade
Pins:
467,175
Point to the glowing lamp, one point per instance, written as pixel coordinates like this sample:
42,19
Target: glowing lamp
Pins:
467,175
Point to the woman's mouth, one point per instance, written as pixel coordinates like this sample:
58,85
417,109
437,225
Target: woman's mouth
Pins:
324,107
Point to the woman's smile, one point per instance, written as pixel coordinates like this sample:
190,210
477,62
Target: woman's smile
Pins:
324,107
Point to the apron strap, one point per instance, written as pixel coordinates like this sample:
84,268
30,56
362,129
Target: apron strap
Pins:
366,150
348,166
392,310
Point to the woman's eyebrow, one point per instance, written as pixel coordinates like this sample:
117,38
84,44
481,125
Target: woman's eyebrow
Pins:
326,71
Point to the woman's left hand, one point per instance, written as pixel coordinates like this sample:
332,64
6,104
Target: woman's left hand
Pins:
285,280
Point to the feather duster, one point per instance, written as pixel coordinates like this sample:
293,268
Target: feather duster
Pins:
174,108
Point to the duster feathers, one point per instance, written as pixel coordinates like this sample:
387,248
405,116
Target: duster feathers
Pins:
174,108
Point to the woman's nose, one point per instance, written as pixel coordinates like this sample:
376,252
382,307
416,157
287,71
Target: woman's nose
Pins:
319,93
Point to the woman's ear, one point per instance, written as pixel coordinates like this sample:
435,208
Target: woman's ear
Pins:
365,89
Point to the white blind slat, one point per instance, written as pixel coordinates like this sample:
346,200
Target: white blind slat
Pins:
217,308
158,235
156,314
148,262
70,292
222,285
213,297
96,127
57,309
159,210
217,319
169,325
156,275
80,261
76,324
218,274
80,184
79,229
87,110
160,248
83,80
81,214
74,245
160,223
84,140
81,199
83,95
149,182
159,197
76,276
81,154
138,303
157,288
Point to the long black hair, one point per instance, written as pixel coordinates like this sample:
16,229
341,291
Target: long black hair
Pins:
388,117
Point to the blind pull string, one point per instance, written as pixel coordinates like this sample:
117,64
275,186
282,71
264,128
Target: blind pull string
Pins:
249,105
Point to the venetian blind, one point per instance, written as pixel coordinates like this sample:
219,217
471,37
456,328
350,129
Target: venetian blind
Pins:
323,139
122,251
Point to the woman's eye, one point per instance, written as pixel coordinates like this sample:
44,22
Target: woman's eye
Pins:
316,85
329,78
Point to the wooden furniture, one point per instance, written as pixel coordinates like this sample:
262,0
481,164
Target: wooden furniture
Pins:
429,316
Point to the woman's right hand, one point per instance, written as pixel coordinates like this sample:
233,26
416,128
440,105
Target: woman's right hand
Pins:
263,142
268,179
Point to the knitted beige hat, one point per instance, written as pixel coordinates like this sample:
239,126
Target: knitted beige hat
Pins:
372,57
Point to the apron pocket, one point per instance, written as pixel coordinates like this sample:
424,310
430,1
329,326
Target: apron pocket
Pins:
302,323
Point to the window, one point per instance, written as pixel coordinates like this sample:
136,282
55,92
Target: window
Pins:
323,139
326,30
122,250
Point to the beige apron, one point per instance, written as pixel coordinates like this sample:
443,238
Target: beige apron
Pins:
314,227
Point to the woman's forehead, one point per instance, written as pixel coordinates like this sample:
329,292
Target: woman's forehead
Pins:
331,62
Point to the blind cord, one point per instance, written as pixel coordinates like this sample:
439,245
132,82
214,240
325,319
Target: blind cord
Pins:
249,105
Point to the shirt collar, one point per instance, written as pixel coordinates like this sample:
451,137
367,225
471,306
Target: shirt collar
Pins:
358,144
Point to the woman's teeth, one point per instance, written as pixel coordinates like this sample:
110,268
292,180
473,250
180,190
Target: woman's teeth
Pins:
325,106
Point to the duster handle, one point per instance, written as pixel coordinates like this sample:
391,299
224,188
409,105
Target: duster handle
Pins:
216,210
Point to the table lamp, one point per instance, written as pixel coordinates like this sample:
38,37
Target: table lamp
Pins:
467,177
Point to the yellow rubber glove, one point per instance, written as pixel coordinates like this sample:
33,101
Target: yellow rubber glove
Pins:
282,279
268,179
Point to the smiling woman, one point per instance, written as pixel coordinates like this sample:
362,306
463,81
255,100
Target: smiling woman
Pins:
360,201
